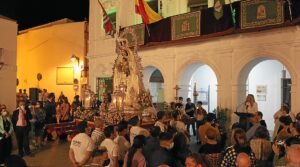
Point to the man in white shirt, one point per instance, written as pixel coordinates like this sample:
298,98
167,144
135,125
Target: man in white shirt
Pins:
136,129
121,141
81,146
161,116
111,146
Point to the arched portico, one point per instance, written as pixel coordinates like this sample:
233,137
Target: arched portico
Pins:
154,82
243,68
204,74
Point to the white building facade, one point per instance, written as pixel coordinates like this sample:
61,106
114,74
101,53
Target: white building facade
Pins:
8,68
231,57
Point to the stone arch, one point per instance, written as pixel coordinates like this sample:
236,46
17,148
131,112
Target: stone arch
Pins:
147,72
185,73
186,65
246,64
156,88
151,65
243,68
252,59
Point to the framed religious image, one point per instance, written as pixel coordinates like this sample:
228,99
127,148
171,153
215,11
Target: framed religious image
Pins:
64,75
261,92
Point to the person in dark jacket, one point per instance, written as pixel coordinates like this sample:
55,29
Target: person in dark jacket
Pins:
20,120
260,119
181,149
50,108
152,143
163,156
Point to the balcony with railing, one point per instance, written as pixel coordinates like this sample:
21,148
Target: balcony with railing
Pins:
219,20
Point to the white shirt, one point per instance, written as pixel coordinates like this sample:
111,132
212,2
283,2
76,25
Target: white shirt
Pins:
180,126
250,109
80,144
112,149
136,130
123,145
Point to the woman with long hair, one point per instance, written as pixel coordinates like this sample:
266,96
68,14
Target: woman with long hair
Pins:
240,145
65,109
134,156
250,106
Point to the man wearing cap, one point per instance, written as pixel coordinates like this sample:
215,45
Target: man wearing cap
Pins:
81,146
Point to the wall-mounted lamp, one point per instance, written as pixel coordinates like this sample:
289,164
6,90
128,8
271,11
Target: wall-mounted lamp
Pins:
75,58
1,65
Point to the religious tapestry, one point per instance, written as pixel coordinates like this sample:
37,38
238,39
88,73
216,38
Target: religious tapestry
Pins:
140,34
260,13
218,8
185,25
104,87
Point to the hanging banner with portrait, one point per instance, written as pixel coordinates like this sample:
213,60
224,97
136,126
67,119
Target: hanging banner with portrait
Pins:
140,34
261,13
185,25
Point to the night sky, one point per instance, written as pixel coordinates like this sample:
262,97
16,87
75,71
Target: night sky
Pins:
30,13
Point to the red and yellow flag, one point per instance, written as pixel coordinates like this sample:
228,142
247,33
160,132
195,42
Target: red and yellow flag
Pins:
148,15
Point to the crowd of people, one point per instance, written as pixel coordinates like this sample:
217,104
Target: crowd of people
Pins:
28,122
168,143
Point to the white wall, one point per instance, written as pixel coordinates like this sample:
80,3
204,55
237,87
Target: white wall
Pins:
204,76
43,50
174,7
267,73
8,74
226,55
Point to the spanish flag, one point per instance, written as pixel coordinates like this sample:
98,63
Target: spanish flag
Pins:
148,15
